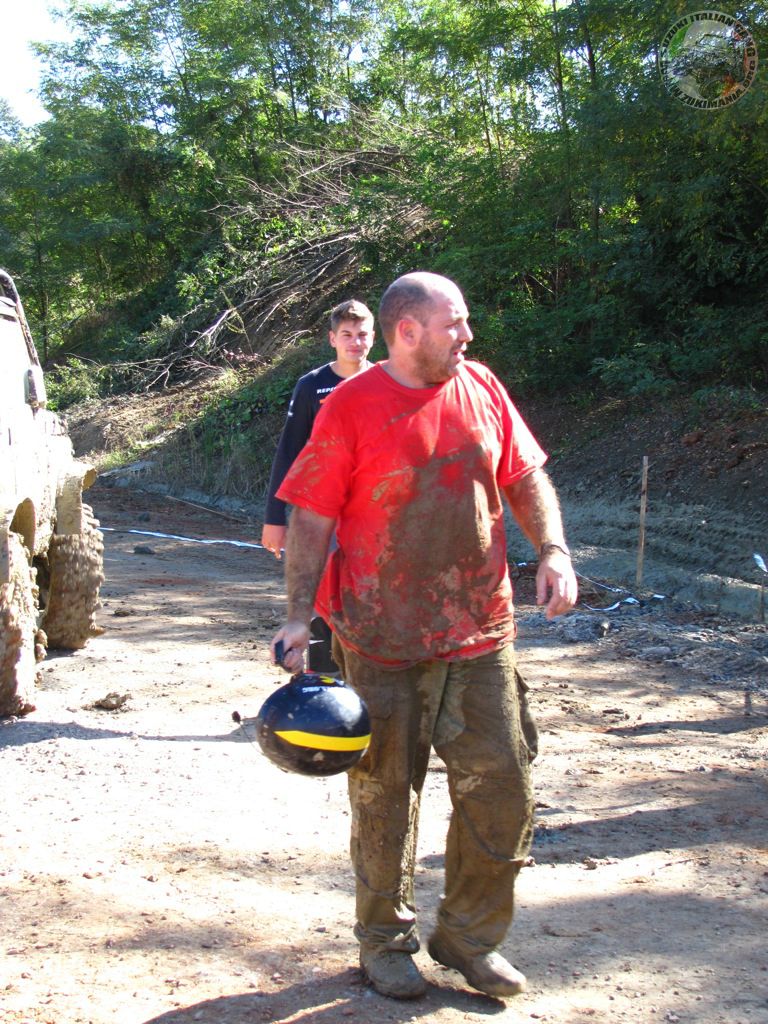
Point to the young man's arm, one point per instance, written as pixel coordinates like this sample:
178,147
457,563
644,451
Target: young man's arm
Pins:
534,504
305,556
295,434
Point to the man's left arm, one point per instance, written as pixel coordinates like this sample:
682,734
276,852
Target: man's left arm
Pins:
535,506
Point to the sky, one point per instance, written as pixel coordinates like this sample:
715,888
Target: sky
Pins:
23,22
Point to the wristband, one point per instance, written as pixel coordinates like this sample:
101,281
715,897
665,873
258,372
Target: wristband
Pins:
548,545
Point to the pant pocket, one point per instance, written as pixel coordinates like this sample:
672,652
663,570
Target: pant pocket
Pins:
527,724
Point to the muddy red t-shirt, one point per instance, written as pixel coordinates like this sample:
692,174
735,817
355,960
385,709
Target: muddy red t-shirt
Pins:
413,477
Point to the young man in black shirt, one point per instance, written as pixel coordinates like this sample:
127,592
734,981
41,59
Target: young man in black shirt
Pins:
351,337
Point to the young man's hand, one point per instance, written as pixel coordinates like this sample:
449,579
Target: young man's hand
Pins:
273,539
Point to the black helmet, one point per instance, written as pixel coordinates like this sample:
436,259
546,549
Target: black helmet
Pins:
314,725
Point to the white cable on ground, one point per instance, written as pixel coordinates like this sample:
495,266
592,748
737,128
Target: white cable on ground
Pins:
189,540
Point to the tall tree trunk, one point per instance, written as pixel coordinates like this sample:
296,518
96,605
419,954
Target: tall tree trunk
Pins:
42,302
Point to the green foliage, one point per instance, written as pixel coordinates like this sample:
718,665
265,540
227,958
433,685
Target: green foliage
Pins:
75,382
604,233
637,372
727,401
243,407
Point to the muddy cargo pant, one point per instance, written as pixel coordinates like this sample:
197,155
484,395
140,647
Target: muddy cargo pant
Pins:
475,715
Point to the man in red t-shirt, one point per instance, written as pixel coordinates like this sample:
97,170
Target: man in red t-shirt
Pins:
408,462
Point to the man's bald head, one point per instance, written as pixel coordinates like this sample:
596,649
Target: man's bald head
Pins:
412,295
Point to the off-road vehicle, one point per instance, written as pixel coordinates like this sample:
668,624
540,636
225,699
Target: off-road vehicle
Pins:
51,551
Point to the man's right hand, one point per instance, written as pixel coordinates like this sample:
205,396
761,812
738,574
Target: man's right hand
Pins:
273,539
295,638
307,551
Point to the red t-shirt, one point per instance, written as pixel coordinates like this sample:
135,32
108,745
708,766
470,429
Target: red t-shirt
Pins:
413,477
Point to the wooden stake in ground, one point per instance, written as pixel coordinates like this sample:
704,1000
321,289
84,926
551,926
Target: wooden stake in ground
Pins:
760,563
643,507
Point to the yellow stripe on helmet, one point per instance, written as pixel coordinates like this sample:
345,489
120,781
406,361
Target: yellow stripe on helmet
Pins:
320,742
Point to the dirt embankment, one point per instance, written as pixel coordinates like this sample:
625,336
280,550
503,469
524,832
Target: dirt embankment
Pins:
154,867
707,495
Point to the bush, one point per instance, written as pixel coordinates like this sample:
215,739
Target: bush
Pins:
74,382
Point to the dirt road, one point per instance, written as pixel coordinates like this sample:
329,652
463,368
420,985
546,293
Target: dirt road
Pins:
154,867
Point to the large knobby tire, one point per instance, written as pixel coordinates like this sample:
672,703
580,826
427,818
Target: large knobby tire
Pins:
18,631
75,573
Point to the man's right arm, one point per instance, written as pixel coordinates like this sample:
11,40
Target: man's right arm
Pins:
309,536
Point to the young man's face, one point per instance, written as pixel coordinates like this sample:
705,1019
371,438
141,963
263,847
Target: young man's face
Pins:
352,341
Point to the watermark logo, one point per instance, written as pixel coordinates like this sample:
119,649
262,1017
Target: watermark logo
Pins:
708,60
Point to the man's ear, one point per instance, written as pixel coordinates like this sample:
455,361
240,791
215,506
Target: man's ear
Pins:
409,330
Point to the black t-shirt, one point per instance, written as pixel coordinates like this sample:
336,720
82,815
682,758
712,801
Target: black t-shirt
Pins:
309,394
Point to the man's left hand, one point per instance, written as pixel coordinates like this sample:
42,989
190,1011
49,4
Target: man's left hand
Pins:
556,585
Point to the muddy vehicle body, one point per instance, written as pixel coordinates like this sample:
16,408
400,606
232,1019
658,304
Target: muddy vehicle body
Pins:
51,550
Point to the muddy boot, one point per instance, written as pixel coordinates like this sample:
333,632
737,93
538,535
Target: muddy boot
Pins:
392,973
488,972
